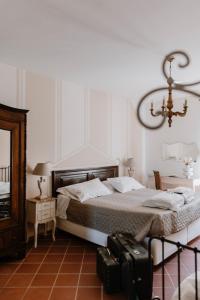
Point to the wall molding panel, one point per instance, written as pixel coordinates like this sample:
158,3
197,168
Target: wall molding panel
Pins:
100,121
86,117
72,118
94,108
88,156
21,88
70,155
129,131
71,126
58,120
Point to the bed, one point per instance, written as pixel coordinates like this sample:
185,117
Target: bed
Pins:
4,192
97,234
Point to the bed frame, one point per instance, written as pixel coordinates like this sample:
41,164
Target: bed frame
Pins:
4,199
67,177
179,249
5,174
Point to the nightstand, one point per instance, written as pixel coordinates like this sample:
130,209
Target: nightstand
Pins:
41,212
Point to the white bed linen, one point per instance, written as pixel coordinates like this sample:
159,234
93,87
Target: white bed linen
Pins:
188,288
187,193
166,200
62,205
4,187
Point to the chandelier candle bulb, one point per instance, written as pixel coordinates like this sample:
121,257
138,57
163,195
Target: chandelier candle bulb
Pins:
151,105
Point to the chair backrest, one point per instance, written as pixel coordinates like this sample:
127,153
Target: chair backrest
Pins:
157,180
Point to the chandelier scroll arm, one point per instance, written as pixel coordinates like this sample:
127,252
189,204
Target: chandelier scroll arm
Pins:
177,88
157,113
180,114
140,105
186,84
180,65
173,54
182,89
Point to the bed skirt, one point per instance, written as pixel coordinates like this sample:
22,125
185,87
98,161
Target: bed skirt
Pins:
184,236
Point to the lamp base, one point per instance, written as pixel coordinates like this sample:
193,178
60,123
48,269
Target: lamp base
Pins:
41,197
130,172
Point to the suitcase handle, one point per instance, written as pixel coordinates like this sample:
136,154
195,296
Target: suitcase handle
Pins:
108,250
127,246
111,255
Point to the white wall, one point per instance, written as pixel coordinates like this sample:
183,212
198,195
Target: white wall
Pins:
4,148
69,125
73,126
186,129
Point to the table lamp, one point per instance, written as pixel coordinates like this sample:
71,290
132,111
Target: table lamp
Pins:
41,169
130,164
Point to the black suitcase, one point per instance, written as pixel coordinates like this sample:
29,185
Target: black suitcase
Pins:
136,267
115,246
108,270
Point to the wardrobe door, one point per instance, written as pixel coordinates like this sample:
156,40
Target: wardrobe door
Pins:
12,180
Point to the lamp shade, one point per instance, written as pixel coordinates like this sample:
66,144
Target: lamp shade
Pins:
130,162
42,169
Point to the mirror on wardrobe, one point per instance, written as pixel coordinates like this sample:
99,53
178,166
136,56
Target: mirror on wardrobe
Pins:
5,164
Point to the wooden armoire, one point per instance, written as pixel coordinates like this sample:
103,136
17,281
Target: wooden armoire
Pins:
12,181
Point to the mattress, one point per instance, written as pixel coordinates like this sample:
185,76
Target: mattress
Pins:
124,212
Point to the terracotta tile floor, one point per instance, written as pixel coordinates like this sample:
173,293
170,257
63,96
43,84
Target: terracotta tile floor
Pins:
66,269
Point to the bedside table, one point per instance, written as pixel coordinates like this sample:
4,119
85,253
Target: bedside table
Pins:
41,212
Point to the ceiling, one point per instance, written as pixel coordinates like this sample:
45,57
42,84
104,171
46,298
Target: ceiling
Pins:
116,45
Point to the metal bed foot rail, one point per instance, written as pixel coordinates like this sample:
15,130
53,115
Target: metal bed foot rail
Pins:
180,248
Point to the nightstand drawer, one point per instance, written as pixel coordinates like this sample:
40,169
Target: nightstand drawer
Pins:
46,214
46,205
39,215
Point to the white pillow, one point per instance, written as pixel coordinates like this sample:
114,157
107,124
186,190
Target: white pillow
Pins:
165,200
85,190
109,186
125,184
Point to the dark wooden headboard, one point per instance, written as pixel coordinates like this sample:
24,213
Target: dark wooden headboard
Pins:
67,177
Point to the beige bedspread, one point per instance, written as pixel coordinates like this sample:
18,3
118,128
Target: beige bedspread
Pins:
124,212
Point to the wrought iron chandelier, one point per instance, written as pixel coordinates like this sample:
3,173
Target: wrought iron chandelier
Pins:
167,110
